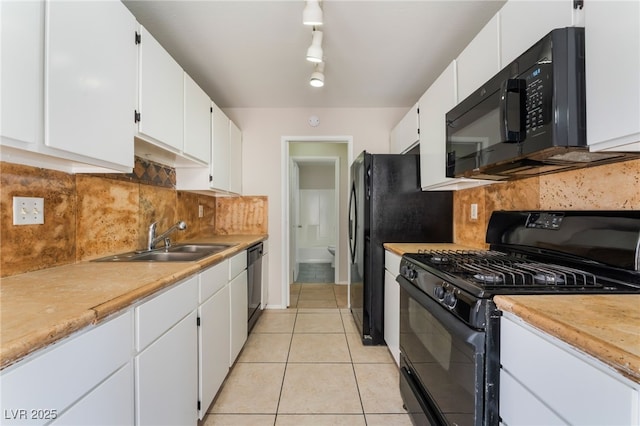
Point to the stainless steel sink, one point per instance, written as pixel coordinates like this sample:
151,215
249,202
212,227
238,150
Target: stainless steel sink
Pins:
177,253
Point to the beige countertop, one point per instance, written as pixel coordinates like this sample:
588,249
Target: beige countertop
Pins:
38,308
606,327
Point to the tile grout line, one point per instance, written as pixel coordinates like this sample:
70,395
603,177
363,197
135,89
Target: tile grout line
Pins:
286,364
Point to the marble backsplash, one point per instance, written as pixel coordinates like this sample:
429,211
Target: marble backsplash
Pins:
608,187
90,216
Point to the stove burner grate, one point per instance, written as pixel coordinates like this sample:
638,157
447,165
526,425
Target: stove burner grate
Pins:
497,269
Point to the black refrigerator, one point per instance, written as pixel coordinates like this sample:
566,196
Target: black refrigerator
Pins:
386,204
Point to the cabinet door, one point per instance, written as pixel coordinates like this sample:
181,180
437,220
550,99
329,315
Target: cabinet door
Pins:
524,22
265,279
235,158
111,403
197,121
161,101
219,149
239,303
434,104
392,304
90,80
612,61
22,62
407,132
480,60
167,377
214,346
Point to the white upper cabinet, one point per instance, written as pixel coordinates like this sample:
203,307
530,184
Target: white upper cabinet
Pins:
524,22
406,134
161,97
434,105
224,173
90,80
220,149
197,121
68,85
235,158
22,52
480,60
612,44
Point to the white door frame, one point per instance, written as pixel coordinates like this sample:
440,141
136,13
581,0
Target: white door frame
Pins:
285,141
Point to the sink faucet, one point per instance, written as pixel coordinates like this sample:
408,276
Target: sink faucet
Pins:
153,240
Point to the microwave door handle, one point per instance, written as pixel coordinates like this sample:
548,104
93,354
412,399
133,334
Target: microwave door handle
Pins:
519,86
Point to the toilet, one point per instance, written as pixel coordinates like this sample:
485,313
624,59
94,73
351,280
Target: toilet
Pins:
332,250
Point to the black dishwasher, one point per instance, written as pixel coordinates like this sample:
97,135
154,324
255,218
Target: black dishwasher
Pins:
254,282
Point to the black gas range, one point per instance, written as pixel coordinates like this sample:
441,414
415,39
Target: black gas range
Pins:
449,331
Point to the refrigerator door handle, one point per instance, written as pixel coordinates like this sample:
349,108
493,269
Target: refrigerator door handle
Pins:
353,222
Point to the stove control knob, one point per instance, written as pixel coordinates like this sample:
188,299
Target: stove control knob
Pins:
439,292
450,300
403,270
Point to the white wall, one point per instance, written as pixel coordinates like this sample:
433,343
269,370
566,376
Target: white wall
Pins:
262,132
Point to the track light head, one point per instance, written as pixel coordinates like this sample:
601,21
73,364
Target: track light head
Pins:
312,14
317,77
314,52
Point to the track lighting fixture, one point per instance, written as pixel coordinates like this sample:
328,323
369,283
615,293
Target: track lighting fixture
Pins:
317,77
312,14
314,52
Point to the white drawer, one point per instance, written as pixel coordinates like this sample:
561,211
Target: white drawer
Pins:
572,384
237,264
111,403
392,262
213,279
62,373
160,313
518,406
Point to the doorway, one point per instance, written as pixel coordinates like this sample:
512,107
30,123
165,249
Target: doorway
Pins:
315,185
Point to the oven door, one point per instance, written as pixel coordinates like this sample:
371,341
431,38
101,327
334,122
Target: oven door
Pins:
442,377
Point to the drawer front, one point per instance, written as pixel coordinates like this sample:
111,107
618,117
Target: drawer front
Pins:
111,403
53,380
159,314
213,279
237,264
518,406
392,262
571,384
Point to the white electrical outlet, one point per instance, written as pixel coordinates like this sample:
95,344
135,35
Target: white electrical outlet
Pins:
474,212
200,211
28,211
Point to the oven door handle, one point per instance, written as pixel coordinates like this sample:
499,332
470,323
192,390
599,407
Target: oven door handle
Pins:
447,319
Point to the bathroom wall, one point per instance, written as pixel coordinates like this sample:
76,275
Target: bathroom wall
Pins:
90,216
608,187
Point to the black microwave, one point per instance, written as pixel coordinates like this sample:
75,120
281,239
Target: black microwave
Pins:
529,119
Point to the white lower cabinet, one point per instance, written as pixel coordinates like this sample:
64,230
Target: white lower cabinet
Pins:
546,381
161,362
392,304
213,334
167,377
66,379
239,313
166,367
111,403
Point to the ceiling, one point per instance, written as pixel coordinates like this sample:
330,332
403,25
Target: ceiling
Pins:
248,54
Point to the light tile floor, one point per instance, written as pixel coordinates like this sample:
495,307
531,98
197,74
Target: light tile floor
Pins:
307,366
